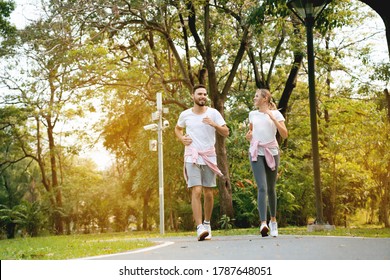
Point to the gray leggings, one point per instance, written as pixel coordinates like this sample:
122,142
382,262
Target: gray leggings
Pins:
266,181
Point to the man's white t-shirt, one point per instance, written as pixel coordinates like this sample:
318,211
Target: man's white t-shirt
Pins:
264,129
202,134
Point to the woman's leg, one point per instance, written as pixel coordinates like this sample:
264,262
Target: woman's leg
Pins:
271,188
258,169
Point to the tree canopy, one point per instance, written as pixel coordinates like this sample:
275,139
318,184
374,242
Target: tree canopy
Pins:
89,71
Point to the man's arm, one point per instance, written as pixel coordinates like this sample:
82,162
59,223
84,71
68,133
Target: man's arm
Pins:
221,129
179,132
185,139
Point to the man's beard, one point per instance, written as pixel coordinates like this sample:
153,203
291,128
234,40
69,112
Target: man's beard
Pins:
199,103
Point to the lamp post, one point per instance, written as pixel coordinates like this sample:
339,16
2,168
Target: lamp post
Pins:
160,162
160,126
308,11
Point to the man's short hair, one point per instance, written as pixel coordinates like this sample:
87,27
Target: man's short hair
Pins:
198,86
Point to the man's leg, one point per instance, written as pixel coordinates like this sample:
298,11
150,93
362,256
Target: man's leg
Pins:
208,203
196,203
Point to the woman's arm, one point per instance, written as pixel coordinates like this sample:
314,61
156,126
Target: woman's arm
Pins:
248,135
282,129
280,125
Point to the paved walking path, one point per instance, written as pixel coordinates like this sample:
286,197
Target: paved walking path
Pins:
225,257
254,247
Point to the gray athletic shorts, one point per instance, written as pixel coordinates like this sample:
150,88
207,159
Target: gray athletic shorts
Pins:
200,175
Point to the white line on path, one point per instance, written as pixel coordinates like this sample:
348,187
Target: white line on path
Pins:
164,244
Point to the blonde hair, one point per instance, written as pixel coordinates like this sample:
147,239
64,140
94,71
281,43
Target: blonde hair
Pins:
267,94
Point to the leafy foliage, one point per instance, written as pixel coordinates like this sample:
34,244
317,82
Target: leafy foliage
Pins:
106,62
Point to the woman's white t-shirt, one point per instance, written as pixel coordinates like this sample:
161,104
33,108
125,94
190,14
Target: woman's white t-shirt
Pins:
202,134
264,129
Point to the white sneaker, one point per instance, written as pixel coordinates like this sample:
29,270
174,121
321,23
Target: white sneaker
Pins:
264,230
201,232
274,228
208,228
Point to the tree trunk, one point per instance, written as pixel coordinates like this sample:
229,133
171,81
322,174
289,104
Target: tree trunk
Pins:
58,222
386,181
385,201
224,186
10,229
146,209
218,99
291,83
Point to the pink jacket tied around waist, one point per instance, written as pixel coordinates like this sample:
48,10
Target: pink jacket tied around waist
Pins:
269,158
191,151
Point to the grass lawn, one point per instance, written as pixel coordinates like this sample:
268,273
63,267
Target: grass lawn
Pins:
79,246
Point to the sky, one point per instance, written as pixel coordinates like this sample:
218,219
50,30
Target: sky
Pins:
25,12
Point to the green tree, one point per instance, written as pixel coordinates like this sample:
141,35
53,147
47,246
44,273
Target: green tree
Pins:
13,163
165,42
50,88
7,30
122,53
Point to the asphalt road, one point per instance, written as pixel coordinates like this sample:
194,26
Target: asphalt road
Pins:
224,257
255,247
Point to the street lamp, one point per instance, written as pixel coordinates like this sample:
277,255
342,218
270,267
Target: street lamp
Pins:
160,126
308,11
